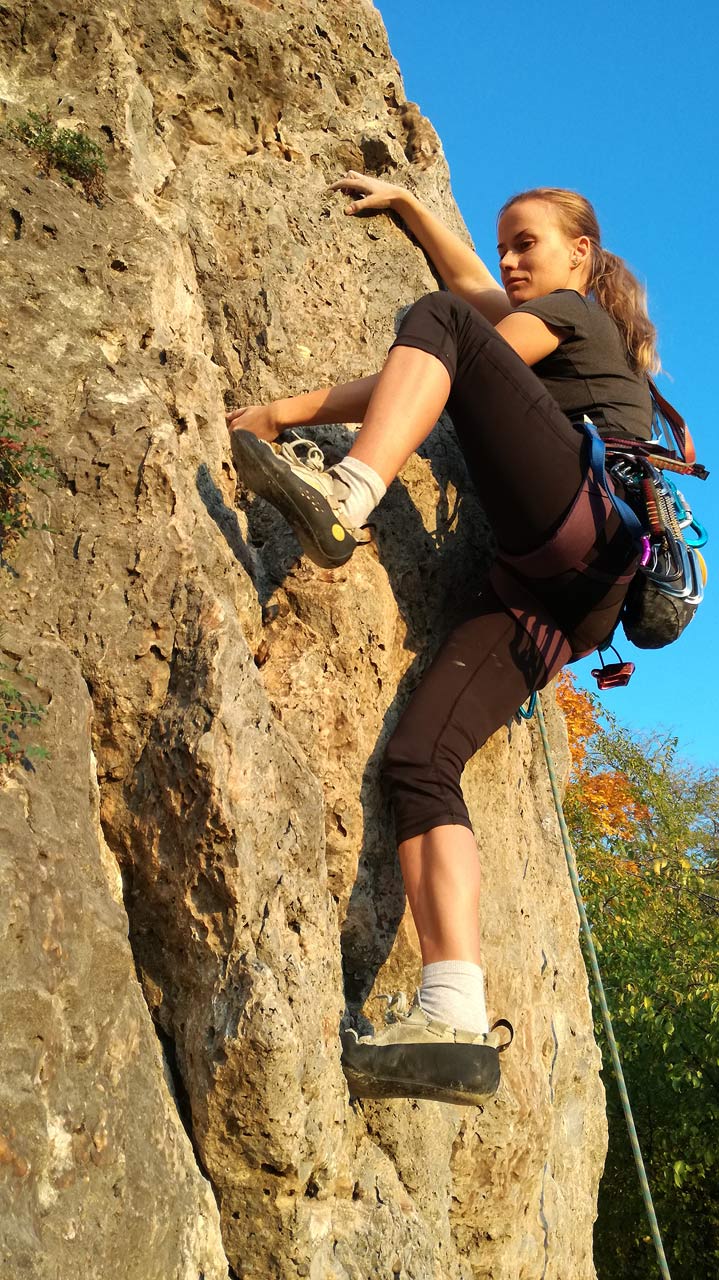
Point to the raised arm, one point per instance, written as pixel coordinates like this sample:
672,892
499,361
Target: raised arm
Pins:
462,270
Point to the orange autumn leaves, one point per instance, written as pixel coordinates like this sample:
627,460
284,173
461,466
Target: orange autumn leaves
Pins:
608,800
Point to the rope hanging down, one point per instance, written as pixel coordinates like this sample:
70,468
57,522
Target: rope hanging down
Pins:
599,986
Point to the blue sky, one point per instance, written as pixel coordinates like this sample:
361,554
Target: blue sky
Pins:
620,102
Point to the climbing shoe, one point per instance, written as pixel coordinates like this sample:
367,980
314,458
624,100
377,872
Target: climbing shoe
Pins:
419,1057
302,491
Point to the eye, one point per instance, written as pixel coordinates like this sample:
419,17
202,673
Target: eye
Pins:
525,244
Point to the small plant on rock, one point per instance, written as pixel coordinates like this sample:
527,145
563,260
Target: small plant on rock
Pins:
17,712
71,152
23,461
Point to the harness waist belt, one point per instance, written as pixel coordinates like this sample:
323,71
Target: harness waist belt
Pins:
563,552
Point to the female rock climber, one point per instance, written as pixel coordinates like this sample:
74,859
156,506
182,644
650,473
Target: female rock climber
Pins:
517,365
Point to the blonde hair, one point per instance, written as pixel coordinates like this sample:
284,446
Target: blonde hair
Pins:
611,282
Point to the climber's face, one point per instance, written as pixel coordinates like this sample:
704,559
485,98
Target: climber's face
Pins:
535,255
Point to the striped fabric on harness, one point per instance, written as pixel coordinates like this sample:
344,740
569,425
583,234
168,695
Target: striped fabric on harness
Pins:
564,552
598,465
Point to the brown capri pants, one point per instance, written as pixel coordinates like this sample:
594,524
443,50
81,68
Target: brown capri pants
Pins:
527,462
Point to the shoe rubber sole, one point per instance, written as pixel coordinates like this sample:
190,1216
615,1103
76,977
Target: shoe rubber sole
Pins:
464,1074
322,537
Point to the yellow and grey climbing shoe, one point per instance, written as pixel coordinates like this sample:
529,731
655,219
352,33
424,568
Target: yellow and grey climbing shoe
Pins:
418,1057
306,495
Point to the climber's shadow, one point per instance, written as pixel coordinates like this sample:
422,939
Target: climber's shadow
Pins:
265,527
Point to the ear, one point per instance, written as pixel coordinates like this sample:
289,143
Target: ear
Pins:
581,251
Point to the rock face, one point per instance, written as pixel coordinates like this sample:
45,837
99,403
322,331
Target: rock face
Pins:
239,699
98,1175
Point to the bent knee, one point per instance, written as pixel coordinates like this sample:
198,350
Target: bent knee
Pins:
413,762
440,303
423,785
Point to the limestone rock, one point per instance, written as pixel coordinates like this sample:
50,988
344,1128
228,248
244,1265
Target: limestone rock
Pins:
97,1175
241,698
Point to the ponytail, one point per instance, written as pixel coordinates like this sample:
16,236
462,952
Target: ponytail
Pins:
611,282
620,293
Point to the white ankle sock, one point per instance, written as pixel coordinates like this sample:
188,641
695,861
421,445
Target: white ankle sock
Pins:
453,991
365,490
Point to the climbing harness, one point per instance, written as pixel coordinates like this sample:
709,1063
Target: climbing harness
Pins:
665,581
668,585
599,987
512,576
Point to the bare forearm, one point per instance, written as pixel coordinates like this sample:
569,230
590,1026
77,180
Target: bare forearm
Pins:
344,403
459,266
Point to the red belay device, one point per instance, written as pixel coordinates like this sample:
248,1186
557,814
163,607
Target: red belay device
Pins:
668,586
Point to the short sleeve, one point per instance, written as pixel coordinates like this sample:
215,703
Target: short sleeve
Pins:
565,309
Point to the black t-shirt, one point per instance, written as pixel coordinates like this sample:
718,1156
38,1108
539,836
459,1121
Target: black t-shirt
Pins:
589,372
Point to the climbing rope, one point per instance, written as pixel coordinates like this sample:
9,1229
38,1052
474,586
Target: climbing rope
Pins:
587,932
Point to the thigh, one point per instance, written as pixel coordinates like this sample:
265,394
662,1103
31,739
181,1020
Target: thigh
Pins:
524,456
587,603
526,459
484,671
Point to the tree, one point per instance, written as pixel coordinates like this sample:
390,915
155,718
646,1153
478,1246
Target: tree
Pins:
645,827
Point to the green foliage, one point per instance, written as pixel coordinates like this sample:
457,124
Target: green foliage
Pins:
23,460
17,713
71,152
652,897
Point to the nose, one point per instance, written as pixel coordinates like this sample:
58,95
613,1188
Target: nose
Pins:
507,260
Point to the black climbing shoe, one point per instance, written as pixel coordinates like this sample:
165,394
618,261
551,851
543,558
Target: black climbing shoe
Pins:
418,1057
302,491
